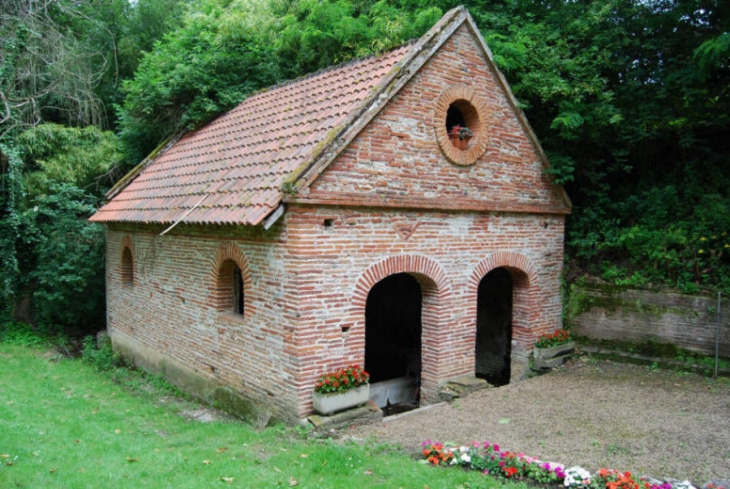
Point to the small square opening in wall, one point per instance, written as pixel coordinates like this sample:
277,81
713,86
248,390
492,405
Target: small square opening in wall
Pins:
328,223
345,329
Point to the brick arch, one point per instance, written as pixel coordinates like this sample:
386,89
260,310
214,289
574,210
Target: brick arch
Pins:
221,288
127,266
419,266
436,293
508,260
525,293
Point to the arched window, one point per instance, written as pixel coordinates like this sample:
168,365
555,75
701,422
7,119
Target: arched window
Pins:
127,267
230,290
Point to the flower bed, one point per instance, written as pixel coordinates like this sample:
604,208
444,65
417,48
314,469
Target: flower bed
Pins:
489,459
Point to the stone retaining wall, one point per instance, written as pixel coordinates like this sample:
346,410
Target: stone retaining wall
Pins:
687,321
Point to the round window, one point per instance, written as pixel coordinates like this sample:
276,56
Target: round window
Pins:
460,123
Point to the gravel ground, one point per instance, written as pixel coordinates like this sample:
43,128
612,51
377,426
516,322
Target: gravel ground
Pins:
589,413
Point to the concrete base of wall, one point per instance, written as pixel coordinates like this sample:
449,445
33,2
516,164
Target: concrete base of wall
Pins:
368,413
205,389
665,363
460,387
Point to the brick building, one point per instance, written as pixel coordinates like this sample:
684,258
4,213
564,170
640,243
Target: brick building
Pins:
333,220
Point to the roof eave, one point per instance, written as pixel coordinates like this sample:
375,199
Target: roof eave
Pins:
134,172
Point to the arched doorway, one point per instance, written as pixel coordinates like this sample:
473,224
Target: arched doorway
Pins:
494,327
393,340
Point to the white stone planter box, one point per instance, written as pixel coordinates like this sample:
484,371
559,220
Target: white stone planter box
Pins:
552,356
338,401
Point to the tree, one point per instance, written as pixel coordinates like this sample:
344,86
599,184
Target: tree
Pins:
52,182
196,72
47,72
315,35
59,72
630,100
229,49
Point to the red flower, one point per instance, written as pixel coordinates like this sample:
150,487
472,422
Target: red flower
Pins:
509,471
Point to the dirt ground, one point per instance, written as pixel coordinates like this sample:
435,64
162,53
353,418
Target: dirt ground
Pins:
589,413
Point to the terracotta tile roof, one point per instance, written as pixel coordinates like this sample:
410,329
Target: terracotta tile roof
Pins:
231,170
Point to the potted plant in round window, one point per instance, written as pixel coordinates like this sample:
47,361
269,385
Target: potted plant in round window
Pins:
553,349
460,136
342,389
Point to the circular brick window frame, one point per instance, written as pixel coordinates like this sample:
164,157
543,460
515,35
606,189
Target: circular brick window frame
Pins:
474,111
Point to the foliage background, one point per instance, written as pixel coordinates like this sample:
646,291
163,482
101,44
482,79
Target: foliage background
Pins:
630,99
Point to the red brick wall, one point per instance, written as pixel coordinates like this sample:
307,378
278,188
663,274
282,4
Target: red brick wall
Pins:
171,307
397,159
335,266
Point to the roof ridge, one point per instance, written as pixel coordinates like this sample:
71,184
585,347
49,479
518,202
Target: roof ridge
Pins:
321,71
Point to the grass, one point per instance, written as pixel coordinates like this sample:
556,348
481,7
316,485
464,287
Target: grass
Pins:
65,424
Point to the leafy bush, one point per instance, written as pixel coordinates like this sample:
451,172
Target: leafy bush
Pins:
656,241
83,157
49,252
100,354
21,334
67,260
196,72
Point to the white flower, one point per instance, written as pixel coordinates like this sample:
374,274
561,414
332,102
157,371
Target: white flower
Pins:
576,476
465,458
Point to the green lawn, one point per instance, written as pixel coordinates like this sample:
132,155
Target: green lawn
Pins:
63,424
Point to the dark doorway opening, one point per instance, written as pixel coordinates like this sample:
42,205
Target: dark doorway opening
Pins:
494,327
393,341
